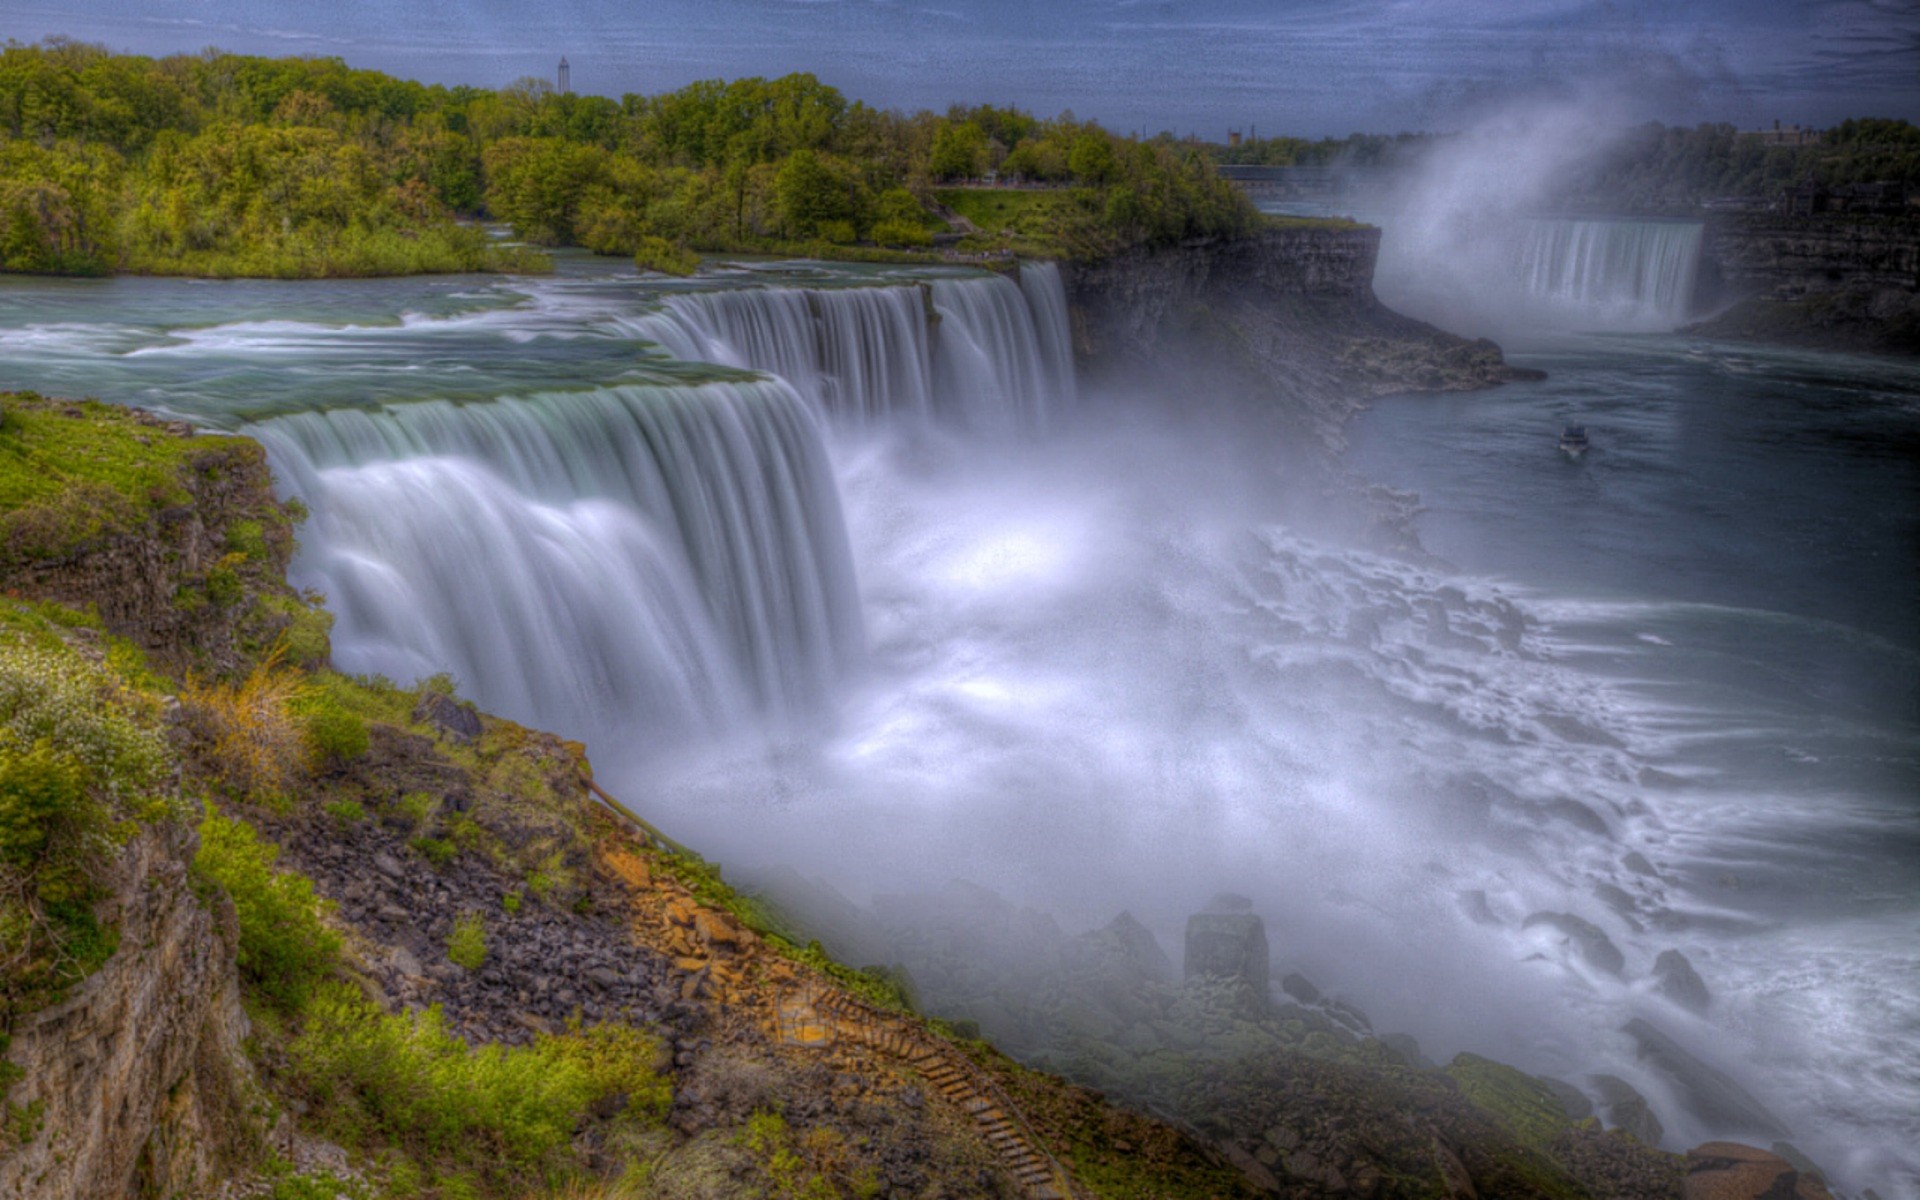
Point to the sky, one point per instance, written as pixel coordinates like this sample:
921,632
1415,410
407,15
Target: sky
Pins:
1303,67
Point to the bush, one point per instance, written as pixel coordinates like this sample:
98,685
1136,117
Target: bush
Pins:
901,233
503,1112
248,736
658,254
347,812
468,945
285,949
78,756
332,734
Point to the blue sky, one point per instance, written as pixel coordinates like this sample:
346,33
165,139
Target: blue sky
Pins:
1308,67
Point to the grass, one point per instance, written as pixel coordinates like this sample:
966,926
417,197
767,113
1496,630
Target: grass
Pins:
74,473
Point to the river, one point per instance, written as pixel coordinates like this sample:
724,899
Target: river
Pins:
828,585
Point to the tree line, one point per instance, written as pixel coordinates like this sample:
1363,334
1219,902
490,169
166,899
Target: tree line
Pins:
224,164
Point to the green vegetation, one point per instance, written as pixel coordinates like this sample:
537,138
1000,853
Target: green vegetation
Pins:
285,949
222,164
1660,169
468,946
71,474
490,1115
82,764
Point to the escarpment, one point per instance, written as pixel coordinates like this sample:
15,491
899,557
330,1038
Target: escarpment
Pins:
1287,314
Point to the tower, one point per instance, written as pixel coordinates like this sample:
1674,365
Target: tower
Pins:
566,83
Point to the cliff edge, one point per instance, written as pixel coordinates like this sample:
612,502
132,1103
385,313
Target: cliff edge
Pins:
1287,316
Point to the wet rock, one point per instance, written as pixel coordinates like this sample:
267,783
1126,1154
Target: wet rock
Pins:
388,865
1474,904
1625,1109
1300,988
1730,1171
1409,1051
1680,983
1572,1100
1587,940
1638,864
1226,942
1713,1097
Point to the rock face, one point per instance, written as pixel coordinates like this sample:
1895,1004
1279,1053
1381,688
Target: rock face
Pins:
137,1080
1729,1171
1713,1097
1831,282
1289,311
1228,942
175,586
1625,1109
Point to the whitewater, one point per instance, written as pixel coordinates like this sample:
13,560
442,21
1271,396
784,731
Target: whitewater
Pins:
837,569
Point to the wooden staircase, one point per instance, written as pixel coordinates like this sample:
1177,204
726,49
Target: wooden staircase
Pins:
965,1085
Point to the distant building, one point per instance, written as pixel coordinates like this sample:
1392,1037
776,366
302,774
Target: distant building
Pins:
1233,137
1791,135
566,77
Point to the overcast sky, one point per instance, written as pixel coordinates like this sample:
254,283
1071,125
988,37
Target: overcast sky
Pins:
1309,67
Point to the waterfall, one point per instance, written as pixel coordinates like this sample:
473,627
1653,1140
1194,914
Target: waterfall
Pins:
1613,274
858,353
652,556
982,351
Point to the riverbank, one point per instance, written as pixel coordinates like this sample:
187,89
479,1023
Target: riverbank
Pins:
1829,282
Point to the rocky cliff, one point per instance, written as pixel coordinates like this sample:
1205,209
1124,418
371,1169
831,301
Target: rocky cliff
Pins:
1287,316
1844,283
136,1084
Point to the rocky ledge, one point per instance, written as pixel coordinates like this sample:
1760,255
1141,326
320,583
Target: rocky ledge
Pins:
1286,318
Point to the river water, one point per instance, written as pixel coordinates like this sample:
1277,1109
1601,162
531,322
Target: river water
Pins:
828,585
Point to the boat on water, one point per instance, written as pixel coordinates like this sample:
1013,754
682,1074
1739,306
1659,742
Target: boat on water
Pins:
1573,441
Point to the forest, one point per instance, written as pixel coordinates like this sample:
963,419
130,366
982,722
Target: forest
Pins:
218,164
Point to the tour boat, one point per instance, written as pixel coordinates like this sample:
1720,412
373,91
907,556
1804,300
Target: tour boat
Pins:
1573,441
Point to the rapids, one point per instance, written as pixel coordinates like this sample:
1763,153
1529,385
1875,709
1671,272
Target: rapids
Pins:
835,569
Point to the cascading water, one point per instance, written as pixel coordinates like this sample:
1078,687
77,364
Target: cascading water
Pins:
1118,669
1472,271
1611,274
632,553
1000,357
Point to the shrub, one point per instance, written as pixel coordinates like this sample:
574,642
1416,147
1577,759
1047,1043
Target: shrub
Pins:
347,812
435,850
247,734
901,233
468,945
79,756
503,1112
285,949
658,254
332,734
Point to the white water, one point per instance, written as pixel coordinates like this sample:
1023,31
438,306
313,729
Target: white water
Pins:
590,559
1104,669
999,358
1472,272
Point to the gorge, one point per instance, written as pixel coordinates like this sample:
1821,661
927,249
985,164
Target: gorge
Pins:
860,579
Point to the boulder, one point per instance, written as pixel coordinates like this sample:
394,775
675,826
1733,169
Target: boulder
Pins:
1572,1100
1300,988
458,721
1587,940
1228,942
1404,1045
1625,1109
1717,1100
1730,1171
1680,983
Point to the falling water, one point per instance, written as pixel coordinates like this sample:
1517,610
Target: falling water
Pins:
1613,274
585,557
